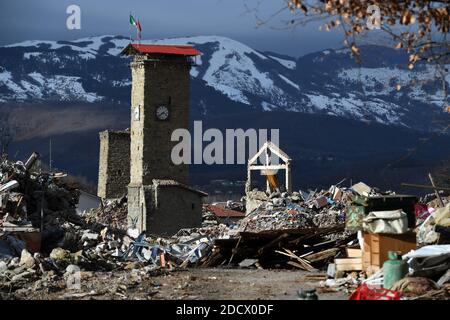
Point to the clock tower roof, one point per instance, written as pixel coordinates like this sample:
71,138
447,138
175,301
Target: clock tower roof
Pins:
179,50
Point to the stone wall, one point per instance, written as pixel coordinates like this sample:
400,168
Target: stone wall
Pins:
173,208
114,164
163,209
136,217
157,81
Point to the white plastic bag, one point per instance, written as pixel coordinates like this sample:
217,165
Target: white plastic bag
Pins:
395,221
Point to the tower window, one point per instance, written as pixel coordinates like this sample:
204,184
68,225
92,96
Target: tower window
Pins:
170,100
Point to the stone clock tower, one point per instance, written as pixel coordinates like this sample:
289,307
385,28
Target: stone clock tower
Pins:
159,105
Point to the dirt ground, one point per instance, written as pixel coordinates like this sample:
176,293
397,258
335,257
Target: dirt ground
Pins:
192,284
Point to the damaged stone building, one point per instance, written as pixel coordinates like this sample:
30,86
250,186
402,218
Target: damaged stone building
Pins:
114,164
159,198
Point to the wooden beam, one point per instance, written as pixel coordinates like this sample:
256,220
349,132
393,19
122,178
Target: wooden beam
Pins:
256,156
441,203
288,183
423,186
275,149
270,167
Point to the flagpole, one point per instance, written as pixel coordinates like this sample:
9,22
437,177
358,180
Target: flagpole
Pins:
129,17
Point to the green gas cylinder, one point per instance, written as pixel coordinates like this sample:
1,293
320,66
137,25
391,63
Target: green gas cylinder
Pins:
310,294
394,269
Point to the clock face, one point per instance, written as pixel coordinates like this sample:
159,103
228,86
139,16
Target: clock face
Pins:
162,113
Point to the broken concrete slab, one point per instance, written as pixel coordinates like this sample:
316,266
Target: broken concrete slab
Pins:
60,254
26,259
362,189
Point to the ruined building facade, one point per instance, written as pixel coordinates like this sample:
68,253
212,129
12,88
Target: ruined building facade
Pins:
114,164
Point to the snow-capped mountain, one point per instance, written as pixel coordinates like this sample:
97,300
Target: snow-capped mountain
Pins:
229,76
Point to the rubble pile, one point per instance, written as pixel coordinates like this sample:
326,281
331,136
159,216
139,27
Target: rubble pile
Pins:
208,217
297,210
113,213
43,240
23,192
36,207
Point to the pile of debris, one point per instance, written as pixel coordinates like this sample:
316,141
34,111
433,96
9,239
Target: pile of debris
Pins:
34,204
306,249
313,209
228,213
24,192
43,239
94,247
209,218
403,249
299,229
112,212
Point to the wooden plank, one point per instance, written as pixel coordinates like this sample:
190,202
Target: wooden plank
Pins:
272,244
347,260
354,252
297,265
350,267
438,196
304,263
349,264
269,167
321,255
424,186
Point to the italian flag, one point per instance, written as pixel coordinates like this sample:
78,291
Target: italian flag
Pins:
136,24
133,21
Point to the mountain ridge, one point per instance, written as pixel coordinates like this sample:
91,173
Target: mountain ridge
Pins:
231,75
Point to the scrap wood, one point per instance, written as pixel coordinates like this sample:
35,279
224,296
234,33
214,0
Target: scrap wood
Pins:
317,233
81,295
237,245
348,264
324,243
234,250
297,265
438,196
216,258
316,276
271,234
322,255
274,243
304,263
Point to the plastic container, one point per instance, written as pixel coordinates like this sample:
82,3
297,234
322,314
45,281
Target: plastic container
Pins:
366,292
394,270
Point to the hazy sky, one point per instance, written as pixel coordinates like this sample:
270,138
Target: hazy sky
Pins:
46,20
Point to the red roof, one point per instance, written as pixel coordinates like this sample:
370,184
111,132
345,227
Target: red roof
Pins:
184,50
222,212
